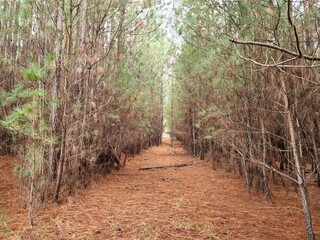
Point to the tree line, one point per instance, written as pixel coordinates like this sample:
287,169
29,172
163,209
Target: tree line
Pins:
246,87
81,86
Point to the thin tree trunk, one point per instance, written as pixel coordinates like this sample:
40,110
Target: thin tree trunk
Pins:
244,169
300,180
62,146
54,95
316,161
193,135
31,200
60,170
264,153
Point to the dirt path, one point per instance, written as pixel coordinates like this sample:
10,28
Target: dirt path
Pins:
193,202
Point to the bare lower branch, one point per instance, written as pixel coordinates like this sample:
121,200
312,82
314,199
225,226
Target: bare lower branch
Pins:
296,76
281,64
266,165
281,49
266,64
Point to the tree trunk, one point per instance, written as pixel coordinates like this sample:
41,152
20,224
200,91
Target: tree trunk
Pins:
264,153
193,135
60,170
316,161
31,200
62,145
54,94
300,177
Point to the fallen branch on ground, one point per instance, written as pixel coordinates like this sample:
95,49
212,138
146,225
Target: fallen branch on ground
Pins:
168,166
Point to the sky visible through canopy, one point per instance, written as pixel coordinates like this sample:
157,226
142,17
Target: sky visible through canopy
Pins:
169,20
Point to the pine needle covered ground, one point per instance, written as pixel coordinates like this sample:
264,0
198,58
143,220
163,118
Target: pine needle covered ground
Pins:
191,202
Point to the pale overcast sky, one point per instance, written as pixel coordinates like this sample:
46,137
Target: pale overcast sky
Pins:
168,20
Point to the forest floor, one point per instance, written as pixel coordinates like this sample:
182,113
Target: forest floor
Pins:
192,202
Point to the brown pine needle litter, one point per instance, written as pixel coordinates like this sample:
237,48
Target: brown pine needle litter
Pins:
191,202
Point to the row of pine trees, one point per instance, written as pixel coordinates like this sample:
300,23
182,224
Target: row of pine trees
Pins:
81,85
247,87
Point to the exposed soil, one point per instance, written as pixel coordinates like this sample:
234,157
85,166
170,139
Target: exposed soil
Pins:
191,202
